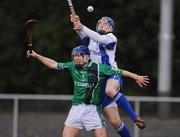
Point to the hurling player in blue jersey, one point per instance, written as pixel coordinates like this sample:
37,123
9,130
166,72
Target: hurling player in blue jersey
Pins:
102,45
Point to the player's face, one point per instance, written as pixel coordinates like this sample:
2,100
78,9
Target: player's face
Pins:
103,25
79,59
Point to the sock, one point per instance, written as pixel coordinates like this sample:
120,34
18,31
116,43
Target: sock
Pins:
123,103
123,130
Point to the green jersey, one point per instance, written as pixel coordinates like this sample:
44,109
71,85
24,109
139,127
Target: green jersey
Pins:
88,80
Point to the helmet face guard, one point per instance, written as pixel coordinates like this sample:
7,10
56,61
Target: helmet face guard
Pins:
81,51
109,21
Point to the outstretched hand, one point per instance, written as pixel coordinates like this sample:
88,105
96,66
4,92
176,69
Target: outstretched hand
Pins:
142,80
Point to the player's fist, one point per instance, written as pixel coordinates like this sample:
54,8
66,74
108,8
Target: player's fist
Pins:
74,18
31,54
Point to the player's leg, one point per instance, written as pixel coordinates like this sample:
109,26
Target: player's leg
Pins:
70,131
100,132
112,90
113,116
73,122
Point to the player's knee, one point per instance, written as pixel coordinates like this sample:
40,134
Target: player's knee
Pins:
112,87
110,91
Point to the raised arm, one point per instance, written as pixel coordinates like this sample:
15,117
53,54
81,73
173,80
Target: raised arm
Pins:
140,80
83,31
46,61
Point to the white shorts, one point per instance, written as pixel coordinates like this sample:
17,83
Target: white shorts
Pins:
85,116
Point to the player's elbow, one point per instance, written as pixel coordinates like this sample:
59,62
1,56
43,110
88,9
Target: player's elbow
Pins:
53,65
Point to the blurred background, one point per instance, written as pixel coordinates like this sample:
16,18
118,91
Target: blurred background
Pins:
139,32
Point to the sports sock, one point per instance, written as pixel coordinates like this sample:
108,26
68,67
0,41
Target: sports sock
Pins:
124,104
123,130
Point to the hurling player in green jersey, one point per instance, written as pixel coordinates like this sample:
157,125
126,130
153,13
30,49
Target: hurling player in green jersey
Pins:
88,77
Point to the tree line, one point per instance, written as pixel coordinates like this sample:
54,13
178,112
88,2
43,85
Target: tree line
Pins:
137,28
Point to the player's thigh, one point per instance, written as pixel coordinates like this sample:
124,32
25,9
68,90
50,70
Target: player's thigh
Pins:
113,116
112,86
100,132
70,131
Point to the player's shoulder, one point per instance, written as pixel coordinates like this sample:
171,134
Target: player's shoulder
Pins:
103,66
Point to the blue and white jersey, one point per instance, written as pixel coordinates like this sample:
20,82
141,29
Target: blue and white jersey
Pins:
102,47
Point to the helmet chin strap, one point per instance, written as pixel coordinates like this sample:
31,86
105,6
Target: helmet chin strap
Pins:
86,59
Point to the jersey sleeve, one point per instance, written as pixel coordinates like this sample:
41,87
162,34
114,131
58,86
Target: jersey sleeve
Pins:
109,70
112,41
103,39
64,66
